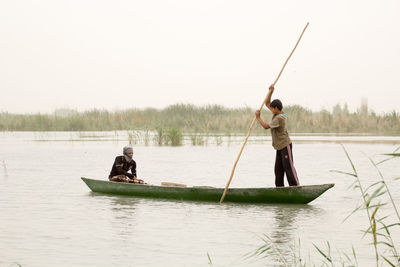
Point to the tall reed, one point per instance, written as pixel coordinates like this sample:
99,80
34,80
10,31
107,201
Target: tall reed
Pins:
160,135
366,201
203,119
372,203
173,137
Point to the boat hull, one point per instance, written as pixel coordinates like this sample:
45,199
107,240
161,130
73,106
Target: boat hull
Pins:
292,194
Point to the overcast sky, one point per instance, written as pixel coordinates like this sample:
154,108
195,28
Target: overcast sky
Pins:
117,54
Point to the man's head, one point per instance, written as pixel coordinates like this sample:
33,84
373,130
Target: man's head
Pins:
128,151
276,104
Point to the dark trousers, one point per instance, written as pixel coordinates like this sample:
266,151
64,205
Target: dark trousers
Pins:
284,164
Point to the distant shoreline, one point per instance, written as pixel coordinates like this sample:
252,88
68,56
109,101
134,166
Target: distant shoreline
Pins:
185,118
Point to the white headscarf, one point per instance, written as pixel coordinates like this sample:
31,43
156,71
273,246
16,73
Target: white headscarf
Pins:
125,151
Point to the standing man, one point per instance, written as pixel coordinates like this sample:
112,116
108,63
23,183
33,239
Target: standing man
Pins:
280,141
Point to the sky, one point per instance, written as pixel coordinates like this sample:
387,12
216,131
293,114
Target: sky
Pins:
85,54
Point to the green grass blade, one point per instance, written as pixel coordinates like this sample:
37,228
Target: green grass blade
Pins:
209,259
347,257
378,234
383,218
392,154
375,194
354,255
351,162
353,185
387,189
372,185
391,225
375,205
323,254
388,261
386,243
346,173
351,213
382,161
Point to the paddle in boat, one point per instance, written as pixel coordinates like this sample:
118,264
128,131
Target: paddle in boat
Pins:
291,194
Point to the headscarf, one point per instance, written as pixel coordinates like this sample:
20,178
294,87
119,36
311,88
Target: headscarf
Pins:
125,151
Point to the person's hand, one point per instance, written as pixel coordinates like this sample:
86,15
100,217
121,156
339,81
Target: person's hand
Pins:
258,112
271,87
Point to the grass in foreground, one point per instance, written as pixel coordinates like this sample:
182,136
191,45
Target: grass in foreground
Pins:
372,196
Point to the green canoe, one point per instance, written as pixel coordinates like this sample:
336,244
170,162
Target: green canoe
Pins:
292,194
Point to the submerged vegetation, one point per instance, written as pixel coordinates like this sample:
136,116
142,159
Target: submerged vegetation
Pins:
206,119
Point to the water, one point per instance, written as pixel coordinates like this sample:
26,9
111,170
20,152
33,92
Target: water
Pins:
48,217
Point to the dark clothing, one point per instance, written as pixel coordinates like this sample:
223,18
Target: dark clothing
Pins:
121,166
284,164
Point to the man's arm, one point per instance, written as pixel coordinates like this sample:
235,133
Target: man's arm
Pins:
269,95
118,164
133,170
263,124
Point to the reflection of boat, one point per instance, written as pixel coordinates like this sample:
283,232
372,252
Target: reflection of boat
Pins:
292,194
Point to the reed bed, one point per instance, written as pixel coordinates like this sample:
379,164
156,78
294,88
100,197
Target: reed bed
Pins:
203,119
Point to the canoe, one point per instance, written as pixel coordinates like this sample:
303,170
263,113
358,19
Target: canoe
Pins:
293,194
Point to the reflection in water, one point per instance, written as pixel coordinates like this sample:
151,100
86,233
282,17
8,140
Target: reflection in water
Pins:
286,220
123,215
5,169
281,221
123,222
123,203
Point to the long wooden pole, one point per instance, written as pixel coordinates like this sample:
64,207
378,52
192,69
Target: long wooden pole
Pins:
254,120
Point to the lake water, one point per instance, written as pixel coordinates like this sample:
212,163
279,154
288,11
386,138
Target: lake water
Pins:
49,217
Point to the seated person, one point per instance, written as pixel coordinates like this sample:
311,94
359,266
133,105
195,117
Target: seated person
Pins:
121,166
